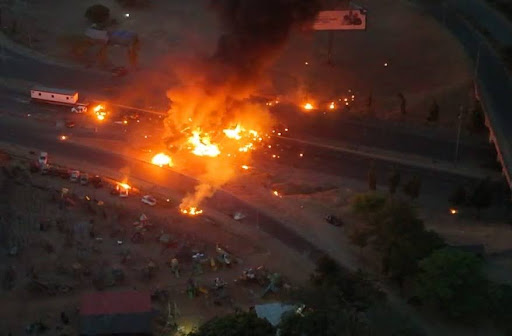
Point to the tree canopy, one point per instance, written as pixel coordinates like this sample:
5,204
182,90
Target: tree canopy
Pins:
452,280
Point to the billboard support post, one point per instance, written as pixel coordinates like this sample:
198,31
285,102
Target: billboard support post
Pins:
330,39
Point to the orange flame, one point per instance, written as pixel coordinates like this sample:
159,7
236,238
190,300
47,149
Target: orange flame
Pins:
123,185
98,108
161,160
308,106
202,145
191,211
331,106
234,133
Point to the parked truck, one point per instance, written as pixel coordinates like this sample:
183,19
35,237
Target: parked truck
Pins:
56,96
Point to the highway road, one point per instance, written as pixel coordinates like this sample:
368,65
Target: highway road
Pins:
43,137
327,127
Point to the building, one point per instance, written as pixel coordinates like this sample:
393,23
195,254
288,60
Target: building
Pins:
123,313
273,312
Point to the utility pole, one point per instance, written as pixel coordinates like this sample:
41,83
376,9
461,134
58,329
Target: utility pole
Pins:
459,126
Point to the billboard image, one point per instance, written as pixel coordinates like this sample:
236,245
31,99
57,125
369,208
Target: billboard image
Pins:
351,19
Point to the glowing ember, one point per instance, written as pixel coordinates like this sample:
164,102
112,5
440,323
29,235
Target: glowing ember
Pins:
308,106
202,145
276,193
246,148
100,117
245,167
192,211
63,137
98,108
331,106
454,211
161,160
301,155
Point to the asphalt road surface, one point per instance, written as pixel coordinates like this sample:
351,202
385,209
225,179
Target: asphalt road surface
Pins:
45,137
328,127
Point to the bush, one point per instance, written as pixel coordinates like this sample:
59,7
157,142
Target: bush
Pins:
367,203
97,14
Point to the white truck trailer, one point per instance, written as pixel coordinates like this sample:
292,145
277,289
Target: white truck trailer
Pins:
54,96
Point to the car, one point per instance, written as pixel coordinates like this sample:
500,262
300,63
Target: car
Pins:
43,158
119,71
74,176
84,179
70,124
333,220
96,181
149,200
79,109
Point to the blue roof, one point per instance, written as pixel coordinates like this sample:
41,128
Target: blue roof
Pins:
273,312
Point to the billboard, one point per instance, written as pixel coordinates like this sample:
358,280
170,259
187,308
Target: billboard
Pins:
350,19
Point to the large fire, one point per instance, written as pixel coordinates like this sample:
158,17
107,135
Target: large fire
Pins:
214,123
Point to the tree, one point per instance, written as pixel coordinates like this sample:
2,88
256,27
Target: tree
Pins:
372,178
402,239
481,196
246,324
97,13
394,181
367,203
433,112
458,196
412,187
452,280
501,306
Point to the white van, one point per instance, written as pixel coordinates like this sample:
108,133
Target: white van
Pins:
43,159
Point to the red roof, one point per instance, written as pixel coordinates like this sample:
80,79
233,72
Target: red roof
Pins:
115,302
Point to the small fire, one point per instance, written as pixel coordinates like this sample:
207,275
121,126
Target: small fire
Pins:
454,211
123,185
98,108
100,117
331,106
191,211
63,137
161,160
202,145
246,167
276,193
308,106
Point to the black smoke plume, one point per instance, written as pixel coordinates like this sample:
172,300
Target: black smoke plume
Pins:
254,31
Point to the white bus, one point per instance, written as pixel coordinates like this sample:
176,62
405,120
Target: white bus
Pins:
54,96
